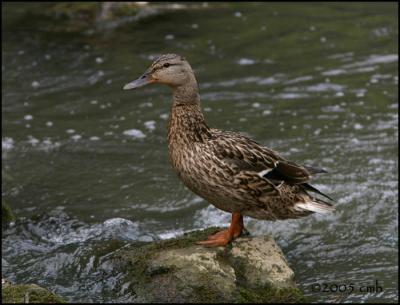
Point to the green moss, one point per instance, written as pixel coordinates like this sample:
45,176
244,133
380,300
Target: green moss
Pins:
153,271
7,215
204,294
270,295
28,293
80,10
129,9
138,254
187,240
89,12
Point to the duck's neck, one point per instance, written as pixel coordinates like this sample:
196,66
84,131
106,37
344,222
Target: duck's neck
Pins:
186,123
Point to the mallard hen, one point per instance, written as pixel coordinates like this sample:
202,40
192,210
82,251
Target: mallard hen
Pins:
231,171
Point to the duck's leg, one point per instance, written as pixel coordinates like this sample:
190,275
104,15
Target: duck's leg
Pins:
222,238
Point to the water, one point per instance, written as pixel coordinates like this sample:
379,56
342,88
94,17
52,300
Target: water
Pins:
88,161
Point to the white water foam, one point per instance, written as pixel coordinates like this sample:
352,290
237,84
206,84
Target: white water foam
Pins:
7,144
134,133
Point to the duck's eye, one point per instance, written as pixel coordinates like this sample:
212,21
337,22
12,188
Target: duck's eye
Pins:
166,65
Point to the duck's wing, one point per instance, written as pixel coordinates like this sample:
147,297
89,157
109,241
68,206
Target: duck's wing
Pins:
242,153
294,197
260,171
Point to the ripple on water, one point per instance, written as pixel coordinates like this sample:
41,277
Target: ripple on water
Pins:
255,80
46,144
368,65
134,133
322,87
332,108
246,61
299,79
291,95
211,216
7,143
57,229
374,59
150,125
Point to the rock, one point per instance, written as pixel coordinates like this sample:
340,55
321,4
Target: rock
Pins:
260,262
27,293
251,269
7,215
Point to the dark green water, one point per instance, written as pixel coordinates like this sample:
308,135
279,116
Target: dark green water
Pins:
316,82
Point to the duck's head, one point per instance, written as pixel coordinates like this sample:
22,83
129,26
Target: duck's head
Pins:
169,69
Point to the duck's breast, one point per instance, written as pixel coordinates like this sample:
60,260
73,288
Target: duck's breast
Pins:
205,175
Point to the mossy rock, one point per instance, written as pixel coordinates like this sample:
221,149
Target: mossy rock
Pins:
28,293
91,11
81,10
7,215
251,269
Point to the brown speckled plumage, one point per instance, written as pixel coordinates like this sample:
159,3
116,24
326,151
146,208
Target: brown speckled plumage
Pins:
228,169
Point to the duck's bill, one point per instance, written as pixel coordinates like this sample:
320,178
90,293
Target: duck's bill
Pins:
144,80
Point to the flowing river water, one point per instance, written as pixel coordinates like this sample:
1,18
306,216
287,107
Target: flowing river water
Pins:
87,163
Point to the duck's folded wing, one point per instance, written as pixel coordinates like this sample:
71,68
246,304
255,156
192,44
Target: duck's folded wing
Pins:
290,172
243,153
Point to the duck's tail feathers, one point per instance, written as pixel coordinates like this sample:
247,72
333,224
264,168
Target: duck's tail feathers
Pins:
315,205
315,170
310,188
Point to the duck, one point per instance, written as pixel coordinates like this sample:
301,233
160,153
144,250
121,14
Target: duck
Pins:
229,170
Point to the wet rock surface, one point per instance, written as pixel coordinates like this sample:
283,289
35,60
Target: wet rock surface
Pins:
251,269
7,215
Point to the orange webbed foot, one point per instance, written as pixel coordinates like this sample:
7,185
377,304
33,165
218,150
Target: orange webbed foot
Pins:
218,239
224,237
